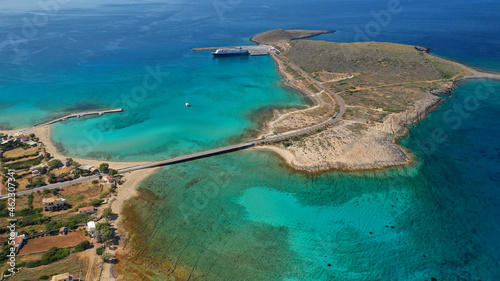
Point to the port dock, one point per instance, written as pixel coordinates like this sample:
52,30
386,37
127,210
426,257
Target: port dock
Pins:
254,50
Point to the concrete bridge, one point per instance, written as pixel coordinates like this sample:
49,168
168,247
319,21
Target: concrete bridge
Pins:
206,153
267,140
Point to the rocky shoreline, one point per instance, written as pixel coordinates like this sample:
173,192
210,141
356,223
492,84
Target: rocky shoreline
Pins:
368,147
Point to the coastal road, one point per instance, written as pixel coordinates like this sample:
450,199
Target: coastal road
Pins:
339,100
54,186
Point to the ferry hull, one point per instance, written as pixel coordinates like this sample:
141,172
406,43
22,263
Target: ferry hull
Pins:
230,54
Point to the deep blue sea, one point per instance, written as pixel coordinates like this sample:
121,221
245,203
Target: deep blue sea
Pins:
246,216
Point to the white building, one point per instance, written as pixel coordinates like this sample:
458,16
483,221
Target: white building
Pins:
91,228
53,203
86,168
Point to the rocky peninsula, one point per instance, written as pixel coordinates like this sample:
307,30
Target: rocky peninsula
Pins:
385,87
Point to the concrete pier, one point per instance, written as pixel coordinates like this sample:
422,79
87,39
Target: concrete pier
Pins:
72,115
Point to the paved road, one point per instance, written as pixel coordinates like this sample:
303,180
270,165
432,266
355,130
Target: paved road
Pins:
340,101
54,185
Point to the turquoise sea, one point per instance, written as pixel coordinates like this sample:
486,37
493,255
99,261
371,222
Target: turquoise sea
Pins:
245,215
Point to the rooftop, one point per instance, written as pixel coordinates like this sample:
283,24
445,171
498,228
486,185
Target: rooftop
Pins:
53,199
62,276
86,208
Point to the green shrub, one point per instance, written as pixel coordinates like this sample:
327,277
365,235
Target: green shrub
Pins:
24,164
34,263
82,246
44,277
96,202
100,250
107,212
30,201
54,254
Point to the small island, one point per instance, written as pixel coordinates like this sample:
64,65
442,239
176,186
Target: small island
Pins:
376,88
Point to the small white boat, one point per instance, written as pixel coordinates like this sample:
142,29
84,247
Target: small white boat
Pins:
187,104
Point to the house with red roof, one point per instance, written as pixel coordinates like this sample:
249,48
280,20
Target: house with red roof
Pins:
109,179
88,209
63,231
18,242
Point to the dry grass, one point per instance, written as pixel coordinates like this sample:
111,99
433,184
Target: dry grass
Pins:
18,152
76,264
47,242
386,78
376,63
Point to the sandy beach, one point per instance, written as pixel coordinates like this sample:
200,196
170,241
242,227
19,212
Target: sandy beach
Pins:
44,133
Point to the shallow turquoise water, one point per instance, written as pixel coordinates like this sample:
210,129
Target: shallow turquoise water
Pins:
225,96
245,216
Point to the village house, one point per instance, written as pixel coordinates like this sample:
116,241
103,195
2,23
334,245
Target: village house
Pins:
63,231
86,168
109,179
23,138
18,242
91,228
32,143
63,277
88,209
53,203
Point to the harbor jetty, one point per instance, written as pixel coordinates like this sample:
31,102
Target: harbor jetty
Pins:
254,50
73,115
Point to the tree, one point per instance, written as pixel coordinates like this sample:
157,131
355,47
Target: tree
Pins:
112,172
106,257
54,163
104,167
82,246
51,177
107,213
105,231
47,156
100,250
54,254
